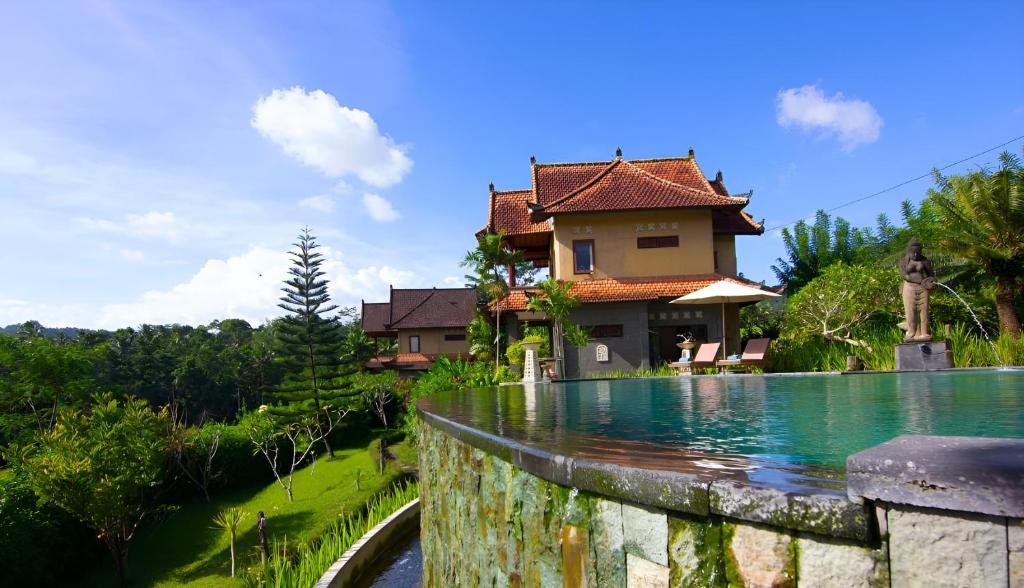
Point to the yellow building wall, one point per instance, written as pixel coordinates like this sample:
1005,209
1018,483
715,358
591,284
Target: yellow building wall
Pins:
725,251
432,341
616,254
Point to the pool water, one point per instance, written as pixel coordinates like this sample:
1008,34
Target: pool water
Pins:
801,420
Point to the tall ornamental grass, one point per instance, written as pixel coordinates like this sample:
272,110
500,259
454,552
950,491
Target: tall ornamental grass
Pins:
814,354
301,566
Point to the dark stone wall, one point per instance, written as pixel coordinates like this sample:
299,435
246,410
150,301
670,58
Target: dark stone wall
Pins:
628,352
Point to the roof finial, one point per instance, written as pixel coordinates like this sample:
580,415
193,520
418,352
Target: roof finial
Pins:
490,187
533,159
618,153
718,176
691,152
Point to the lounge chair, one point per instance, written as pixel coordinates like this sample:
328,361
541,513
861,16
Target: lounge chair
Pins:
704,359
753,356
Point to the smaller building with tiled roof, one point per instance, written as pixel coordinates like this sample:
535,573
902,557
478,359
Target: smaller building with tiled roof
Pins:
632,235
427,323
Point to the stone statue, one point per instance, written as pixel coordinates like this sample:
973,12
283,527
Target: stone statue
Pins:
918,282
261,527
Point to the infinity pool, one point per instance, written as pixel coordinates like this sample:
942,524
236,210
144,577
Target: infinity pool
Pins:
774,421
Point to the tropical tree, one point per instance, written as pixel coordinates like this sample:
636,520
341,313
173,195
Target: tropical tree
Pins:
480,333
192,450
840,300
41,375
982,215
357,348
556,302
311,340
228,520
810,248
269,434
104,468
489,264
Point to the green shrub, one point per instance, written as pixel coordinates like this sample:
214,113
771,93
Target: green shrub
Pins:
516,355
40,544
446,374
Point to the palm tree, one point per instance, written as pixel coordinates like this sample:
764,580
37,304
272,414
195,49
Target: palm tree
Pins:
810,248
556,302
228,520
983,218
487,262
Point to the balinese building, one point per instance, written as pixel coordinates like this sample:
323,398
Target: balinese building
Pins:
632,235
426,322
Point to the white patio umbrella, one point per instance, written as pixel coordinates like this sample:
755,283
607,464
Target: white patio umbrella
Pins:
725,292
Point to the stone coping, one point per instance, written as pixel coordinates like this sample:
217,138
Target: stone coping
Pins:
360,557
971,474
824,510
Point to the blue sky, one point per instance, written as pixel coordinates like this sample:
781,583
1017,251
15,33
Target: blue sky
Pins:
156,159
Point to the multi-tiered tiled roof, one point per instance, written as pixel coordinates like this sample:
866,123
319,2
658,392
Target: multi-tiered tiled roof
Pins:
616,185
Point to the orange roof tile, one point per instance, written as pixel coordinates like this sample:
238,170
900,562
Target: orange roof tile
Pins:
625,186
508,212
554,180
625,289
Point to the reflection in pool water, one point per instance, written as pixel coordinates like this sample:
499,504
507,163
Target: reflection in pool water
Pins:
776,421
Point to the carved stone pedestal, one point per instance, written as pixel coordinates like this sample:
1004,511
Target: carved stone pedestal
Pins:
931,355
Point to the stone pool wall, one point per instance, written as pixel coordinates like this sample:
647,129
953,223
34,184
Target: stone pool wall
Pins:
486,522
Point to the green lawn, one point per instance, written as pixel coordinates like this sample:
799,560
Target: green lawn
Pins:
185,550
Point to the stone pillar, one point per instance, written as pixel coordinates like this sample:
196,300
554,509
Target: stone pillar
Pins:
531,365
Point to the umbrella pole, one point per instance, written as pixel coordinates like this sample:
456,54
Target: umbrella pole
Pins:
724,354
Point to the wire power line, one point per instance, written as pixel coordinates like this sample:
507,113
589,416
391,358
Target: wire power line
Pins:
903,183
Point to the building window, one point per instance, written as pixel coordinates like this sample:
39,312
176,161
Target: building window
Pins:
656,242
605,331
455,337
583,256
414,343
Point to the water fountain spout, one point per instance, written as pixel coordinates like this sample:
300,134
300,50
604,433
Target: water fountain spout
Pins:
977,321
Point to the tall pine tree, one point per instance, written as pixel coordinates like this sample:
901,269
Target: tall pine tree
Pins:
311,340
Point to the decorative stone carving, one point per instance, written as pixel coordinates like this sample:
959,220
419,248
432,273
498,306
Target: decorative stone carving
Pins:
601,353
531,365
918,282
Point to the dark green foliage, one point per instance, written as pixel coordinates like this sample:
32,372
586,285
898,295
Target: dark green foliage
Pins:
445,375
38,376
357,348
982,219
104,467
761,320
40,545
311,340
811,248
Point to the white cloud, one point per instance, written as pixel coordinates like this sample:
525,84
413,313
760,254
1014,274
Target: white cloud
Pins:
454,282
379,208
151,225
854,122
318,131
245,286
321,202
131,254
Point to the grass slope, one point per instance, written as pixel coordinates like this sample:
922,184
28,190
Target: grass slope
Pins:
186,551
